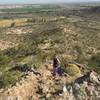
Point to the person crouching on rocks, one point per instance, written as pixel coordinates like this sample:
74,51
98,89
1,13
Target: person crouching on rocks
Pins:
56,67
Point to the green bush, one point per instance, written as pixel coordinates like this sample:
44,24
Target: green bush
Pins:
95,59
72,70
94,62
4,59
9,78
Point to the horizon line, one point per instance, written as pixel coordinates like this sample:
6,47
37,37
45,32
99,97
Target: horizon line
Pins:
48,3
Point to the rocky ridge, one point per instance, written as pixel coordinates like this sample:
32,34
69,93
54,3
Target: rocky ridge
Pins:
41,85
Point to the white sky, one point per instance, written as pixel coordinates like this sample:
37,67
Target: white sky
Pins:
43,1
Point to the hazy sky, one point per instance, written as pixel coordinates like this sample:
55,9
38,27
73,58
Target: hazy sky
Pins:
42,1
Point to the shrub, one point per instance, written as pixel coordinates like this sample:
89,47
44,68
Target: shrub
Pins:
95,60
80,57
8,78
72,69
4,59
94,63
12,24
31,20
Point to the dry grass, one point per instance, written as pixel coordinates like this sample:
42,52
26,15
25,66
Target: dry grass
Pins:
17,22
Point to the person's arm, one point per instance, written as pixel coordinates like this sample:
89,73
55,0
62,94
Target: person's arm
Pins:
58,60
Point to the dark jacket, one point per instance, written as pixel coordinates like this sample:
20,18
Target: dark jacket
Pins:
56,63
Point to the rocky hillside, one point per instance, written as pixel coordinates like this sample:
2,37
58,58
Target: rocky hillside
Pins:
40,84
32,36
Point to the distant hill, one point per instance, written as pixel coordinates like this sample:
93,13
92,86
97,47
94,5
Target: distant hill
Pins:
95,9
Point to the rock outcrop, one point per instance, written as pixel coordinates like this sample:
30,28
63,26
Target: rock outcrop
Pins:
45,86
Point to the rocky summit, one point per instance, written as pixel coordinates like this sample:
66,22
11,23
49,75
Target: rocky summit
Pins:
40,84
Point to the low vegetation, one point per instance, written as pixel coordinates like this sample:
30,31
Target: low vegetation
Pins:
39,33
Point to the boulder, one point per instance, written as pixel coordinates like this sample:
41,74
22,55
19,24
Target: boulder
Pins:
89,77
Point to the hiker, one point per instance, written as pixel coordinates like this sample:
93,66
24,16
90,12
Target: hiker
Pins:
56,67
